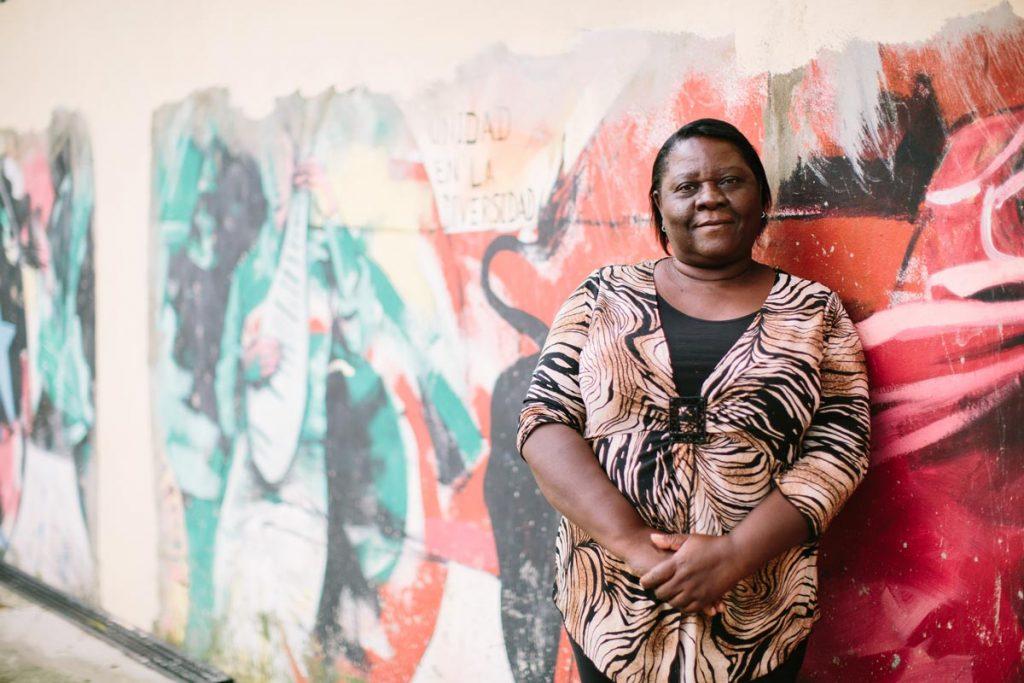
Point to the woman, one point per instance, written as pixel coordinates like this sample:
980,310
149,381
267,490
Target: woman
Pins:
698,421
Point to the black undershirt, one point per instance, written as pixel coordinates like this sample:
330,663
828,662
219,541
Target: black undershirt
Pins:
696,345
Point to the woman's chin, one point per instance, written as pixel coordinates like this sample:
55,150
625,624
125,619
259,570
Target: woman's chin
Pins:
720,252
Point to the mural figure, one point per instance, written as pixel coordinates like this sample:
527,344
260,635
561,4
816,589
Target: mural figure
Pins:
46,369
311,320
212,209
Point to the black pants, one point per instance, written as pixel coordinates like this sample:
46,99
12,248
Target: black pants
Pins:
784,673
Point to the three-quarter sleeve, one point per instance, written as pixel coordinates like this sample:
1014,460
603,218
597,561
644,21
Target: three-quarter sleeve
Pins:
554,393
834,453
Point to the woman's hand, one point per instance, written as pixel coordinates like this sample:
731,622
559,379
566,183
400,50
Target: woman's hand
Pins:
699,572
641,555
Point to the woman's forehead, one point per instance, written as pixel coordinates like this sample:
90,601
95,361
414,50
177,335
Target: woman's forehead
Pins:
700,153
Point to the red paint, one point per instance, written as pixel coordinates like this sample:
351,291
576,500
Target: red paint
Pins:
461,531
424,447
407,169
977,76
565,666
409,613
952,234
857,257
481,403
409,617
318,326
921,572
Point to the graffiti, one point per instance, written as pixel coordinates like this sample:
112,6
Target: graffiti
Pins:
947,367
353,290
46,365
304,398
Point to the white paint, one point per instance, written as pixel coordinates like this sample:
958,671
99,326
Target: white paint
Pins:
49,539
467,644
117,61
998,603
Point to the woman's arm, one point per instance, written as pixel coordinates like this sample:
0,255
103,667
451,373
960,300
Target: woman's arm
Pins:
550,440
573,481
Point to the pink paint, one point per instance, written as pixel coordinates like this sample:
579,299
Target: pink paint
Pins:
971,219
464,542
971,188
10,468
950,387
895,438
969,278
38,184
919,320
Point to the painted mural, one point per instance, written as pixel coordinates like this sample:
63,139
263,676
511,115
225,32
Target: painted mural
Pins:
47,412
351,293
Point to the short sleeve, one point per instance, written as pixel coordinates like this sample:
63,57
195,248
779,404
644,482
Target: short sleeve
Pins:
554,393
835,449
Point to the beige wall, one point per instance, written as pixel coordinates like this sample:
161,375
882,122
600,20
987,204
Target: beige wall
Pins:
116,62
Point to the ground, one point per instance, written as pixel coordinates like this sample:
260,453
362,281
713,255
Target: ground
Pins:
39,646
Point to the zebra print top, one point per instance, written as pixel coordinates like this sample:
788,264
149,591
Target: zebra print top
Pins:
786,407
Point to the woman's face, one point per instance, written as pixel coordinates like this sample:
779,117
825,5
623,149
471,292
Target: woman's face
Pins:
710,203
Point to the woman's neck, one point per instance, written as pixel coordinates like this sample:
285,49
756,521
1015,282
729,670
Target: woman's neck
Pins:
727,274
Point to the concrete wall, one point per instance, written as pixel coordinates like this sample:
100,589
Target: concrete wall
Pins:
435,179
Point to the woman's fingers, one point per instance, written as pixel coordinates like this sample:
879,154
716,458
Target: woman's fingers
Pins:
672,587
659,574
687,604
671,542
712,610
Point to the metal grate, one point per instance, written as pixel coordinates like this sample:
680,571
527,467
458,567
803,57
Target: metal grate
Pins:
137,644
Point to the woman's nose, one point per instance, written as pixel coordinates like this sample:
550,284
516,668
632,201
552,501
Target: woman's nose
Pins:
709,195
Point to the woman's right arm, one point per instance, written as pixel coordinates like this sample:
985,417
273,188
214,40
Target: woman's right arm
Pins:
573,481
550,439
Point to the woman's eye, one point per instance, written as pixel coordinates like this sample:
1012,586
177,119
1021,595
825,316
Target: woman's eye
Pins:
730,180
688,188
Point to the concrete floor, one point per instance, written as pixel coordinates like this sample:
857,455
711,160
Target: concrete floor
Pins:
39,646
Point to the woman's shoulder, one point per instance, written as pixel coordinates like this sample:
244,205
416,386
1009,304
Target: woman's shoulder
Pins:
625,273
798,283
803,293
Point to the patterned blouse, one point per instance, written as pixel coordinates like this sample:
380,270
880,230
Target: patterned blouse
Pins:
786,407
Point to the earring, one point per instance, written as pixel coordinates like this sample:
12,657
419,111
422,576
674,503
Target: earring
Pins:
764,216
663,229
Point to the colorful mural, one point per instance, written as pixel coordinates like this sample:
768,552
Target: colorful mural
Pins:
47,353
352,291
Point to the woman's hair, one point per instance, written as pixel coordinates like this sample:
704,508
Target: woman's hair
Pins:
706,128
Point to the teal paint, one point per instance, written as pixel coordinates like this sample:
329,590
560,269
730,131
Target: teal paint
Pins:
201,518
455,416
178,199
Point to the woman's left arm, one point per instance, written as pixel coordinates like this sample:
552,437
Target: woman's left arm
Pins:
832,462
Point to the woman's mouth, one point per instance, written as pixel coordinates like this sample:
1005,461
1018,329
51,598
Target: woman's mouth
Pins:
713,223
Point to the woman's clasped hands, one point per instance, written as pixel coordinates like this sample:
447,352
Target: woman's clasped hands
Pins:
697,574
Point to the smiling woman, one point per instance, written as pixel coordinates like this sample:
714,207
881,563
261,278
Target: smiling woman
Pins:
698,421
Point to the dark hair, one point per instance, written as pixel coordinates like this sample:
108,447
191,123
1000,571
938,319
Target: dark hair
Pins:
706,128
